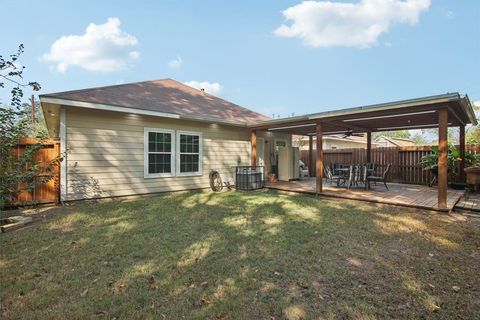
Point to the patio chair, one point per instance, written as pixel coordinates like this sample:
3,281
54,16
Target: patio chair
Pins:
371,168
354,176
331,177
382,178
364,174
304,171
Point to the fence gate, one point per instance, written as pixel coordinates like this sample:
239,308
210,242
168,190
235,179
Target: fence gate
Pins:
48,192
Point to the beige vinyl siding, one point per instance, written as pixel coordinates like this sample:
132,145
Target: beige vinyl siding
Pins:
106,153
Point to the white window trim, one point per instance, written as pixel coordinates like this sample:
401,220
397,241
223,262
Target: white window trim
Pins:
63,151
145,156
279,139
200,154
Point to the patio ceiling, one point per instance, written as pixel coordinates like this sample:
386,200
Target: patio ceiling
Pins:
407,114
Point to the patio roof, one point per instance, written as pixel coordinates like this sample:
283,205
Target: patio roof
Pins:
441,111
406,114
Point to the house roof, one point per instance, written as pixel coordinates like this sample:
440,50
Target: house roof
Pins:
400,142
166,96
341,137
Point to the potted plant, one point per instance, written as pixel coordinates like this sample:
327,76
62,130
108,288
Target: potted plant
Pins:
473,176
430,162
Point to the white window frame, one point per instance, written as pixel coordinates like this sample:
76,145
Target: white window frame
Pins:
279,139
146,153
200,153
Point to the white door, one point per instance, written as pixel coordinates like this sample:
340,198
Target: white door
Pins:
260,152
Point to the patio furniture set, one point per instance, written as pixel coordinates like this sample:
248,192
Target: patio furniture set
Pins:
356,175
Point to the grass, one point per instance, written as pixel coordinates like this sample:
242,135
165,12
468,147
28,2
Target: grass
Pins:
260,255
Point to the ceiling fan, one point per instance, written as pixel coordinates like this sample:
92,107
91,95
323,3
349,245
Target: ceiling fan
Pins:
350,133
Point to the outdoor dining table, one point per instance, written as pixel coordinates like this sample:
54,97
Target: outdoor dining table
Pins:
344,173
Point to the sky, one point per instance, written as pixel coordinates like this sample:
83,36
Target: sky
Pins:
275,57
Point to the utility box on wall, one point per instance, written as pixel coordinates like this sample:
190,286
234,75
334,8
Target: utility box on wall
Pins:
288,163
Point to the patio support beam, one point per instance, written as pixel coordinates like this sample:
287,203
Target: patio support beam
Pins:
254,148
461,141
310,156
369,147
319,162
442,158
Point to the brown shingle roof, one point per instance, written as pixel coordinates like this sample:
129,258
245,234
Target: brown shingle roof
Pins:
166,95
399,142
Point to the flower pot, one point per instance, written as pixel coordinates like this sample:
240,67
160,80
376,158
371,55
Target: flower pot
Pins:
272,178
473,175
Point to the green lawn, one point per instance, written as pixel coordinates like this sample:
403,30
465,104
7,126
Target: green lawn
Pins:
234,255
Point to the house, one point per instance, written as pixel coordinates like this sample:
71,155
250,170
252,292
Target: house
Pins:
384,141
335,141
158,136
151,136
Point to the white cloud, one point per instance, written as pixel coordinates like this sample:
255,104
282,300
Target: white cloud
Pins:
104,47
213,88
477,103
134,55
329,24
175,63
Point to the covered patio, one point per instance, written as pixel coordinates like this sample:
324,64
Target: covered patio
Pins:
441,112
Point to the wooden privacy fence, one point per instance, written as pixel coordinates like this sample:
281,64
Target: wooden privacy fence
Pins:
405,160
48,192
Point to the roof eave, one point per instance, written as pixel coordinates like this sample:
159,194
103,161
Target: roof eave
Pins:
438,99
468,108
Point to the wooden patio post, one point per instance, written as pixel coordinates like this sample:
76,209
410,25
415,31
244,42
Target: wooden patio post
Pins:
254,148
319,162
369,147
461,141
310,155
442,158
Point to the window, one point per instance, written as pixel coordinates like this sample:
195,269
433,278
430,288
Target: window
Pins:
169,153
189,146
159,153
382,144
280,143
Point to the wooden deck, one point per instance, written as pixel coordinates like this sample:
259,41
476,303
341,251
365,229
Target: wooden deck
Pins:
407,195
470,202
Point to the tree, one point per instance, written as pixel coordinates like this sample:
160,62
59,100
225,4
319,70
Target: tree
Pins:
473,132
299,141
18,173
39,128
405,134
419,139
473,135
